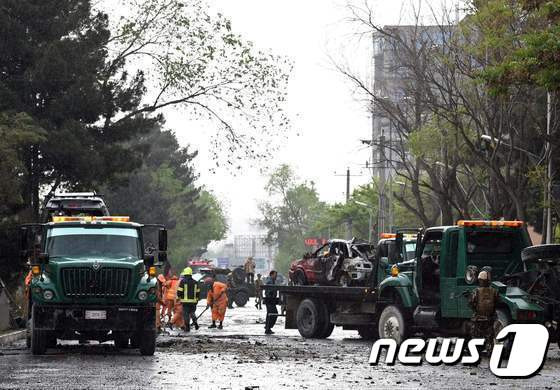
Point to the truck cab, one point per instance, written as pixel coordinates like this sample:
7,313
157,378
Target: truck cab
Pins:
448,260
91,280
395,248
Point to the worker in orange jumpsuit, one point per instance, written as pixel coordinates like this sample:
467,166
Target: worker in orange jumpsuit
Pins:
159,300
177,320
217,299
170,296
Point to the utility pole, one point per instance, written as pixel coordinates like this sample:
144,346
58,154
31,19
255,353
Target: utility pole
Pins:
548,204
349,221
381,214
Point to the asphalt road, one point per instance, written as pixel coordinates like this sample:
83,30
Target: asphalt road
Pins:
240,357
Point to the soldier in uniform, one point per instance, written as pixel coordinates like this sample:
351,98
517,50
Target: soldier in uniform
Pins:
483,301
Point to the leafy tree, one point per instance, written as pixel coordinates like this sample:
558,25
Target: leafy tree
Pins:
163,190
195,60
289,215
53,66
17,132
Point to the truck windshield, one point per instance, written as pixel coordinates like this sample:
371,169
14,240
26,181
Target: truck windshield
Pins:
489,242
500,250
80,242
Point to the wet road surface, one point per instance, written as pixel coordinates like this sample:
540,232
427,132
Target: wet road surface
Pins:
239,357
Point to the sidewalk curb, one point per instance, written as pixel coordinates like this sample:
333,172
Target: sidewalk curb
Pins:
12,337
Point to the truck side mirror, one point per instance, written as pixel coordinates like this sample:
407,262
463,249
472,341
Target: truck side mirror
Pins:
149,260
399,246
162,258
162,240
23,243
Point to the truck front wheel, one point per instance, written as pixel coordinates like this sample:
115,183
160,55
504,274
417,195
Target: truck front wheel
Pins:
502,320
309,318
148,343
39,338
392,324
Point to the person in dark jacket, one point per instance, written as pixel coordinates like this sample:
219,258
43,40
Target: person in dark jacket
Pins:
188,293
271,300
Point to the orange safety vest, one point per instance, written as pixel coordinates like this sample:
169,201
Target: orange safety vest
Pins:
171,291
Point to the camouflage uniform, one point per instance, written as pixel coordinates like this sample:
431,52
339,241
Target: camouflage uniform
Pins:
483,302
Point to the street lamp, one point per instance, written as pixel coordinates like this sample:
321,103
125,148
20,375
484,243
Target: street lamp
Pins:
370,211
431,196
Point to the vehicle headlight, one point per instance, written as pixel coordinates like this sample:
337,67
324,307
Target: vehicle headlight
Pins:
48,295
142,295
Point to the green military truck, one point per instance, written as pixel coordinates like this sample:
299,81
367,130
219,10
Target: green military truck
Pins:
429,294
91,280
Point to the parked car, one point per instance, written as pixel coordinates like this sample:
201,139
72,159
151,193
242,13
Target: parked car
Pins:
338,262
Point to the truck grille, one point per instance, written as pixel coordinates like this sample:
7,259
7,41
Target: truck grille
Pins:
86,282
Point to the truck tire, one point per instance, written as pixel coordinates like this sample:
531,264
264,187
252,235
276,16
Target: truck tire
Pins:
536,252
299,278
39,338
241,298
368,332
502,320
309,318
392,325
327,331
328,327
239,275
148,343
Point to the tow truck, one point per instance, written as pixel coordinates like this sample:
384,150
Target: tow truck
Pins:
92,281
429,295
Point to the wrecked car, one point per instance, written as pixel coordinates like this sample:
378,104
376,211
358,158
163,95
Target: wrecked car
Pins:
541,280
338,262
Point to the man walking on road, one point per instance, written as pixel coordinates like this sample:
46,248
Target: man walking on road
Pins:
217,299
271,300
188,293
249,269
258,292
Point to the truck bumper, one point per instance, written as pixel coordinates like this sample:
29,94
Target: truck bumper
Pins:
117,318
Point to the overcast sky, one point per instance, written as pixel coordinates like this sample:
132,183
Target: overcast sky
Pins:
324,113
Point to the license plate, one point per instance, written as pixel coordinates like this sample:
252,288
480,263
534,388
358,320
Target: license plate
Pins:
96,315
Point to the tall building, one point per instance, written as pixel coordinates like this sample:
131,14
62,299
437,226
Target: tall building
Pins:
392,80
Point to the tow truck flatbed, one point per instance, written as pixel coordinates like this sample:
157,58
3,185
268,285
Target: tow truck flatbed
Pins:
324,292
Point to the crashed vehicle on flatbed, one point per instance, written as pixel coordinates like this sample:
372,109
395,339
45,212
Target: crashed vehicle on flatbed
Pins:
338,262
